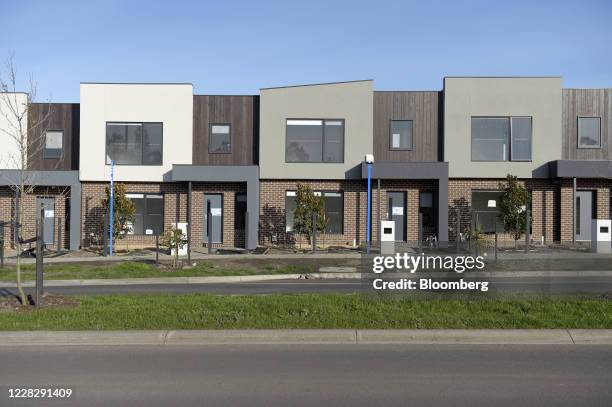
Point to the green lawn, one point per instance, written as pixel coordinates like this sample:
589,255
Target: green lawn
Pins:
132,269
205,311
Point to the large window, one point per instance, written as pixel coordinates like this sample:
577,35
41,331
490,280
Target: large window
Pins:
149,216
485,210
54,144
400,137
589,132
134,143
219,139
334,210
501,138
314,141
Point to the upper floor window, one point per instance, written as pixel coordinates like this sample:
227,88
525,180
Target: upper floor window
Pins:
219,138
589,132
501,138
314,141
134,143
54,144
401,135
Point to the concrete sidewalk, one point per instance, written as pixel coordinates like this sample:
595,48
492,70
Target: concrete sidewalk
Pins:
326,275
310,336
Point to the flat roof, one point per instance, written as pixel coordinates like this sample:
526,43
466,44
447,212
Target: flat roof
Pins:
318,84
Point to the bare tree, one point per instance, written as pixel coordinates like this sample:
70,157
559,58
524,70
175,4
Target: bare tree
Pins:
26,133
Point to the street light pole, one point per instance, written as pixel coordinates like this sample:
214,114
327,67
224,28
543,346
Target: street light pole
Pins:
369,161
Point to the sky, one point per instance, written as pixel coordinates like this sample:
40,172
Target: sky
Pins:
236,47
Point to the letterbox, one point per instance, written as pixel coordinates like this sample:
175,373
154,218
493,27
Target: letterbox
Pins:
601,235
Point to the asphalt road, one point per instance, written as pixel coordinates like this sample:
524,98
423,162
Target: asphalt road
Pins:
300,375
531,284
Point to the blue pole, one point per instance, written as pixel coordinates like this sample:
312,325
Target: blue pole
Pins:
112,204
369,207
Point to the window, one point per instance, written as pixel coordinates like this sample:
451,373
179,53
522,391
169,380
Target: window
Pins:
314,141
240,210
220,140
485,208
589,132
54,144
501,138
333,206
427,208
149,216
400,137
134,143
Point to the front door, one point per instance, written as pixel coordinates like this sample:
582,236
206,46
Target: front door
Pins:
397,213
49,217
584,214
214,203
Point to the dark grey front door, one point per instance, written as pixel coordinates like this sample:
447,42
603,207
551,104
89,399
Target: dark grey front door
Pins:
49,214
215,203
397,213
584,214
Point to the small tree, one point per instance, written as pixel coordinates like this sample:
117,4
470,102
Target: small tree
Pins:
124,211
174,240
307,203
512,206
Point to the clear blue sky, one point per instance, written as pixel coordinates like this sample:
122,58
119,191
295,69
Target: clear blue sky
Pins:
235,47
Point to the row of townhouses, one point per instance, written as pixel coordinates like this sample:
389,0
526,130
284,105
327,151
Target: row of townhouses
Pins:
438,153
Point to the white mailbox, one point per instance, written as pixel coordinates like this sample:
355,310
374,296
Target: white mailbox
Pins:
388,231
601,235
182,226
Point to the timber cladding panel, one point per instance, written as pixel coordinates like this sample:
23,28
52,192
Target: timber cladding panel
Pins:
54,116
423,108
586,103
242,113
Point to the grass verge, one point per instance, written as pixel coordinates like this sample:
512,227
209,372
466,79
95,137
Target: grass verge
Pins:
132,269
206,311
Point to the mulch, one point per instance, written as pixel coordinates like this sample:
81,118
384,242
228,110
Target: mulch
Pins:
12,303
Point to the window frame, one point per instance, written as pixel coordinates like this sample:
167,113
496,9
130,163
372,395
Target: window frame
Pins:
323,121
322,193
144,197
391,148
583,147
210,126
141,143
44,154
510,140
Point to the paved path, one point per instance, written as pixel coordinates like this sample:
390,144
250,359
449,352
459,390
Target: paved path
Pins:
596,284
316,375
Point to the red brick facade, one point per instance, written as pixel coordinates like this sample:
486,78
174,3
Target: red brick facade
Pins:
551,204
8,208
175,210
272,204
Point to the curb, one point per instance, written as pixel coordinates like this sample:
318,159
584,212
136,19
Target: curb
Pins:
311,337
325,275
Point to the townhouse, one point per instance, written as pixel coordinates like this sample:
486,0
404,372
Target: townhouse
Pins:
438,153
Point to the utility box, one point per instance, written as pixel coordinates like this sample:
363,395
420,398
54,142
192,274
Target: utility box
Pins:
387,237
601,235
182,226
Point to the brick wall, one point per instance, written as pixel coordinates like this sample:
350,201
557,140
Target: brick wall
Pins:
175,210
551,204
272,204
7,213
603,205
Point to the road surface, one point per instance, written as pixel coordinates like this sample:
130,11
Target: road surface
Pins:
315,375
